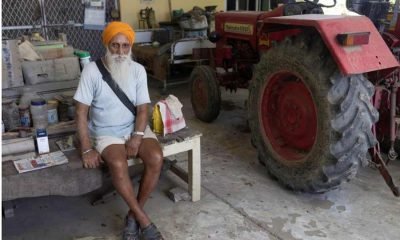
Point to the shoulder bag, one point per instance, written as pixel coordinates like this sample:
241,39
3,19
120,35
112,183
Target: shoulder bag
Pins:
114,86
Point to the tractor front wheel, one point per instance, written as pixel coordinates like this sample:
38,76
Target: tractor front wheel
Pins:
205,93
310,124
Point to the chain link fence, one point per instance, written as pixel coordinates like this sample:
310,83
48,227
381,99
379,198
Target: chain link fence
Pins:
50,17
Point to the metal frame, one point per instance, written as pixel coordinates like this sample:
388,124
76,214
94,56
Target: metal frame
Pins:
257,5
181,53
50,17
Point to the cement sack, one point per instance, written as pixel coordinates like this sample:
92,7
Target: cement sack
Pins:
11,65
60,69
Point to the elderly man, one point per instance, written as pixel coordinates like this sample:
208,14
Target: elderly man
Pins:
113,133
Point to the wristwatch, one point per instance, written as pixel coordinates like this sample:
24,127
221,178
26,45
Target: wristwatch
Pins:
138,133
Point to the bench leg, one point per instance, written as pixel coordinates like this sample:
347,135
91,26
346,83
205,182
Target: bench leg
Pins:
194,170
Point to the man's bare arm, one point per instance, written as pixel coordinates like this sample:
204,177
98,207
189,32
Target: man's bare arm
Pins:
90,157
132,146
82,125
141,118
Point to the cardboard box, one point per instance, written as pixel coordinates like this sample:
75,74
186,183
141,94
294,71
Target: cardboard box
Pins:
11,65
60,69
53,53
42,141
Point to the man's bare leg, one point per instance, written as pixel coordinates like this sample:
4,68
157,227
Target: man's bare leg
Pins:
151,154
115,157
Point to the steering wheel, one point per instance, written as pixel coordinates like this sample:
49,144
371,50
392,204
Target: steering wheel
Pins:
315,2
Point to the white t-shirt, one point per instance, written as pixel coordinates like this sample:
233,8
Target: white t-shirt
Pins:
108,115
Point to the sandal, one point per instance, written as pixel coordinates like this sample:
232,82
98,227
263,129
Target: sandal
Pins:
151,233
131,230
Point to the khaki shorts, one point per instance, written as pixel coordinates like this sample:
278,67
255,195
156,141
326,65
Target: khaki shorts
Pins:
100,143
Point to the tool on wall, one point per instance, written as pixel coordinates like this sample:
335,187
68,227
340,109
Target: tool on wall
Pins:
115,14
147,15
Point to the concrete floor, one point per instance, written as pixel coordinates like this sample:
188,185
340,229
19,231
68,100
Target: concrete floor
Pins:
239,200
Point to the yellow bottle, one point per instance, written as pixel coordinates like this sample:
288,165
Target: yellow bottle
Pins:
157,120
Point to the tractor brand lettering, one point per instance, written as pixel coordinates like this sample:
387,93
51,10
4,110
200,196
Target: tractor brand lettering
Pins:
239,28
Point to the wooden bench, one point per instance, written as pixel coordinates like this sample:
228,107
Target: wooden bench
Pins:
185,140
73,180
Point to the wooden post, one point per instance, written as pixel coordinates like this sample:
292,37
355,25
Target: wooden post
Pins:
170,10
194,170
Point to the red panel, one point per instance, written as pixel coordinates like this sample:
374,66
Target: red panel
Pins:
351,60
248,18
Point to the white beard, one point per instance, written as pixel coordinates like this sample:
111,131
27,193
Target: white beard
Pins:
119,67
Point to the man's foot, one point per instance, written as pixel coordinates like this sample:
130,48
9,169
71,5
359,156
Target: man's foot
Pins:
151,233
131,230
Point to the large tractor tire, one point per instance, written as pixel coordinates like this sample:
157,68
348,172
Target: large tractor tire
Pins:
205,93
310,124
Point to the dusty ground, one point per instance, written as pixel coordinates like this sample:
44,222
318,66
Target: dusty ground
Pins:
239,200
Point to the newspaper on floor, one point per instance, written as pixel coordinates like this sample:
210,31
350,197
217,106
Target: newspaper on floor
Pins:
66,144
40,162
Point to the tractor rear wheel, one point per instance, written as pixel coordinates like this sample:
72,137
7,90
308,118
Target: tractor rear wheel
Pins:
310,124
205,93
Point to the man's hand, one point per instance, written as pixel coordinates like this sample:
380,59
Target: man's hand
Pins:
91,159
132,146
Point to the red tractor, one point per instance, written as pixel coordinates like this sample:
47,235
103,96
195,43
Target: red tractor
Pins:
312,78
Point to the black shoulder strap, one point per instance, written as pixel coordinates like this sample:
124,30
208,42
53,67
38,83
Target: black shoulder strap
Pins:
114,86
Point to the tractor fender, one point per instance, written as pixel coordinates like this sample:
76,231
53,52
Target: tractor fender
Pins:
370,57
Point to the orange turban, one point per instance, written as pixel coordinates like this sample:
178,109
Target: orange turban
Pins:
114,28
